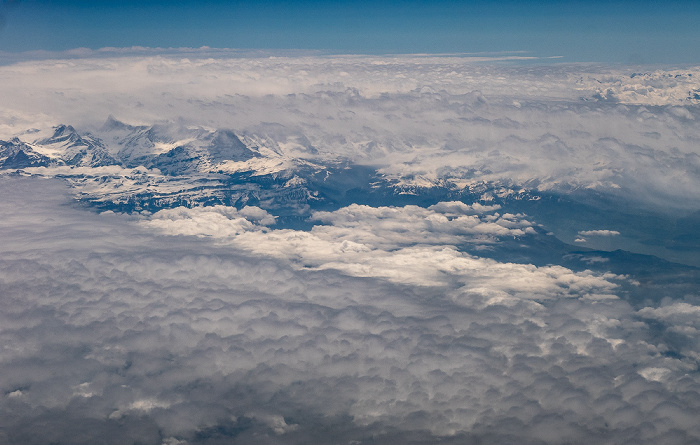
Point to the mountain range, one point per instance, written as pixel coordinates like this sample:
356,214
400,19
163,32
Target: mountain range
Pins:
146,168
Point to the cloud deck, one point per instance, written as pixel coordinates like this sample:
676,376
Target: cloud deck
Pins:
387,257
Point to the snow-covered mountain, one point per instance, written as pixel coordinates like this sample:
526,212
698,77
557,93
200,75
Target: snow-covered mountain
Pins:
71,148
171,148
129,168
148,167
18,154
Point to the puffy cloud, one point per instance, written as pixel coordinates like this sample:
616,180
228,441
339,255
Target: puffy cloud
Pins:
110,327
215,324
660,87
403,244
599,232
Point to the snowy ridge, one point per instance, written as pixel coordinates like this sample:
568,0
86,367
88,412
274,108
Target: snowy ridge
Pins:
170,163
172,148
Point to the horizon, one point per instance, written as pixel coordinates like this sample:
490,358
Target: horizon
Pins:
621,32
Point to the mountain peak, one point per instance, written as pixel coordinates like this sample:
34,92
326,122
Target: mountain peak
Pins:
113,124
225,145
62,130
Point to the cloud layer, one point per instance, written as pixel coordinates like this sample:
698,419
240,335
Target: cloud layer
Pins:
421,120
235,332
377,324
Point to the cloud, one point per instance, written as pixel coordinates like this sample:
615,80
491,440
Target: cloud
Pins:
659,87
110,326
421,121
599,232
403,244
216,324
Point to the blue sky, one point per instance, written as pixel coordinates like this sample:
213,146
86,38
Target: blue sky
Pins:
617,32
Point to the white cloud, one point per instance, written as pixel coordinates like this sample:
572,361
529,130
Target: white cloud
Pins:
402,244
142,405
194,337
421,120
599,232
660,87
676,313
